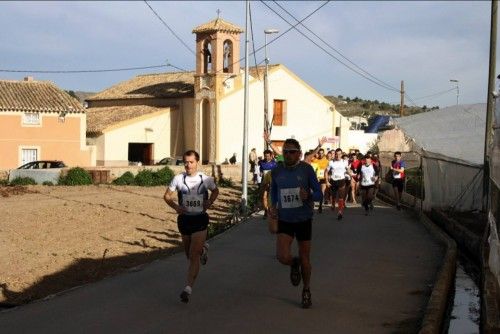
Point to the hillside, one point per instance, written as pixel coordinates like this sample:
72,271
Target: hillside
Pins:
349,107
80,96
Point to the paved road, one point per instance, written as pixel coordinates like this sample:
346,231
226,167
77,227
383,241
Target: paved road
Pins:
370,275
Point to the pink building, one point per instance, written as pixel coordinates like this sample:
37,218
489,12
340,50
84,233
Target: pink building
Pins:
39,121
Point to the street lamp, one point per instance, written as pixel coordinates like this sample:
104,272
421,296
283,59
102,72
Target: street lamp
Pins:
266,84
456,83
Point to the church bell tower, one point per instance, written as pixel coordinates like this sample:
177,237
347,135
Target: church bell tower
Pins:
217,68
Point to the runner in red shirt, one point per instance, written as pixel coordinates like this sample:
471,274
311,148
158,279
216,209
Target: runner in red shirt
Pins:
398,177
355,164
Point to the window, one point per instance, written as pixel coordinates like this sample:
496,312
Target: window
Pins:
31,118
228,57
207,57
279,112
28,155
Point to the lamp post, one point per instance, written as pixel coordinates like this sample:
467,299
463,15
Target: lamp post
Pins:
266,84
456,83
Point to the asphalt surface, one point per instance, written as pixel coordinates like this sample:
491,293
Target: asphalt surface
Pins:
370,275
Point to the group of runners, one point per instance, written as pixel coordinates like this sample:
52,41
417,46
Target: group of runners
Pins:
290,188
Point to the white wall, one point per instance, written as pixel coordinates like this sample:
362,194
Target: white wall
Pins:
358,139
113,145
308,116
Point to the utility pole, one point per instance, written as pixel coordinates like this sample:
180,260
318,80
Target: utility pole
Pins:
456,86
489,106
401,106
244,166
266,84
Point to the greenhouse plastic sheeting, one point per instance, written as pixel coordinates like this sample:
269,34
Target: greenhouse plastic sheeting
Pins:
495,149
451,142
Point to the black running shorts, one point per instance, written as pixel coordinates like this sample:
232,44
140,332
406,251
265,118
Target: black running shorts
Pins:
398,183
367,187
188,224
337,184
301,230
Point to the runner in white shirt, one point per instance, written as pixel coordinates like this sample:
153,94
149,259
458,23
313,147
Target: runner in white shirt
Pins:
337,181
368,178
193,201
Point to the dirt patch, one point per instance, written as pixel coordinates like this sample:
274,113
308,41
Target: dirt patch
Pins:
7,191
54,238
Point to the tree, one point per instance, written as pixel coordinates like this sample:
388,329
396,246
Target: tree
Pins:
72,93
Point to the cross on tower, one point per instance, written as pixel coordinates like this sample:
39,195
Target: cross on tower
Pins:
218,13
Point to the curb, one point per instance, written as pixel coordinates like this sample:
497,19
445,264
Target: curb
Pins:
465,238
435,311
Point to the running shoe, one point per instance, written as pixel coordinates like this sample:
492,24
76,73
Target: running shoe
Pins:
204,254
306,298
295,271
339,217
185,296
371,206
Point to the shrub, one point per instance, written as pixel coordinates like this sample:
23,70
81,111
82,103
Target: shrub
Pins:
225,182
22,181
75,177
145,178
4,182
126,179
47,183
163,176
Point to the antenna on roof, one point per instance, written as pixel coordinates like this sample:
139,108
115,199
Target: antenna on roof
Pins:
218,13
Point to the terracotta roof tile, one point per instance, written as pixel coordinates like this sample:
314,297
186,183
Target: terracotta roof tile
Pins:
99,119
159,85
218,25
36,96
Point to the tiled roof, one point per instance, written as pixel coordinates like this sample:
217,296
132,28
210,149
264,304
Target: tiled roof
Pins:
99,119
159,85
218,25
258,72
36,96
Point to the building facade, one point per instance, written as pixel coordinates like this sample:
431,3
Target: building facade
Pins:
39,121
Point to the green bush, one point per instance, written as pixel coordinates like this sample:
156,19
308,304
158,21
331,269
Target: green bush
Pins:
126,179
76,176
22,181
163,176
47,183
145,178
225,182
4,182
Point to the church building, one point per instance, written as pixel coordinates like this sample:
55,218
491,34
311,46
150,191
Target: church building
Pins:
154,116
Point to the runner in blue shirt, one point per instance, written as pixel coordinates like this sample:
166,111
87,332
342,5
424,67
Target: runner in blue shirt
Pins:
294,189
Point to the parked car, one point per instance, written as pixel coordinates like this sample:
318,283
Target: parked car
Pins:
43,164
171,161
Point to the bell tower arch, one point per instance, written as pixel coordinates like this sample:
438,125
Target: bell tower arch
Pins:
217,60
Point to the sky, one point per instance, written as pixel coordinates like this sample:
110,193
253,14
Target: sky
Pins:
423,43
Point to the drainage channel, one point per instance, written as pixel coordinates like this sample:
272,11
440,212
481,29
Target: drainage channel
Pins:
465,305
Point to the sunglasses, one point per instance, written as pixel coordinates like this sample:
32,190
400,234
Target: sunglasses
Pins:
290,151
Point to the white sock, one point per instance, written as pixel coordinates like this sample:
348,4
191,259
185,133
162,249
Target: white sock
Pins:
188,289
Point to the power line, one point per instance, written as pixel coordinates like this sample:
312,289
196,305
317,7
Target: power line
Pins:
87,71
282,34
435,94
337,51
253,41
170,29
329,53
